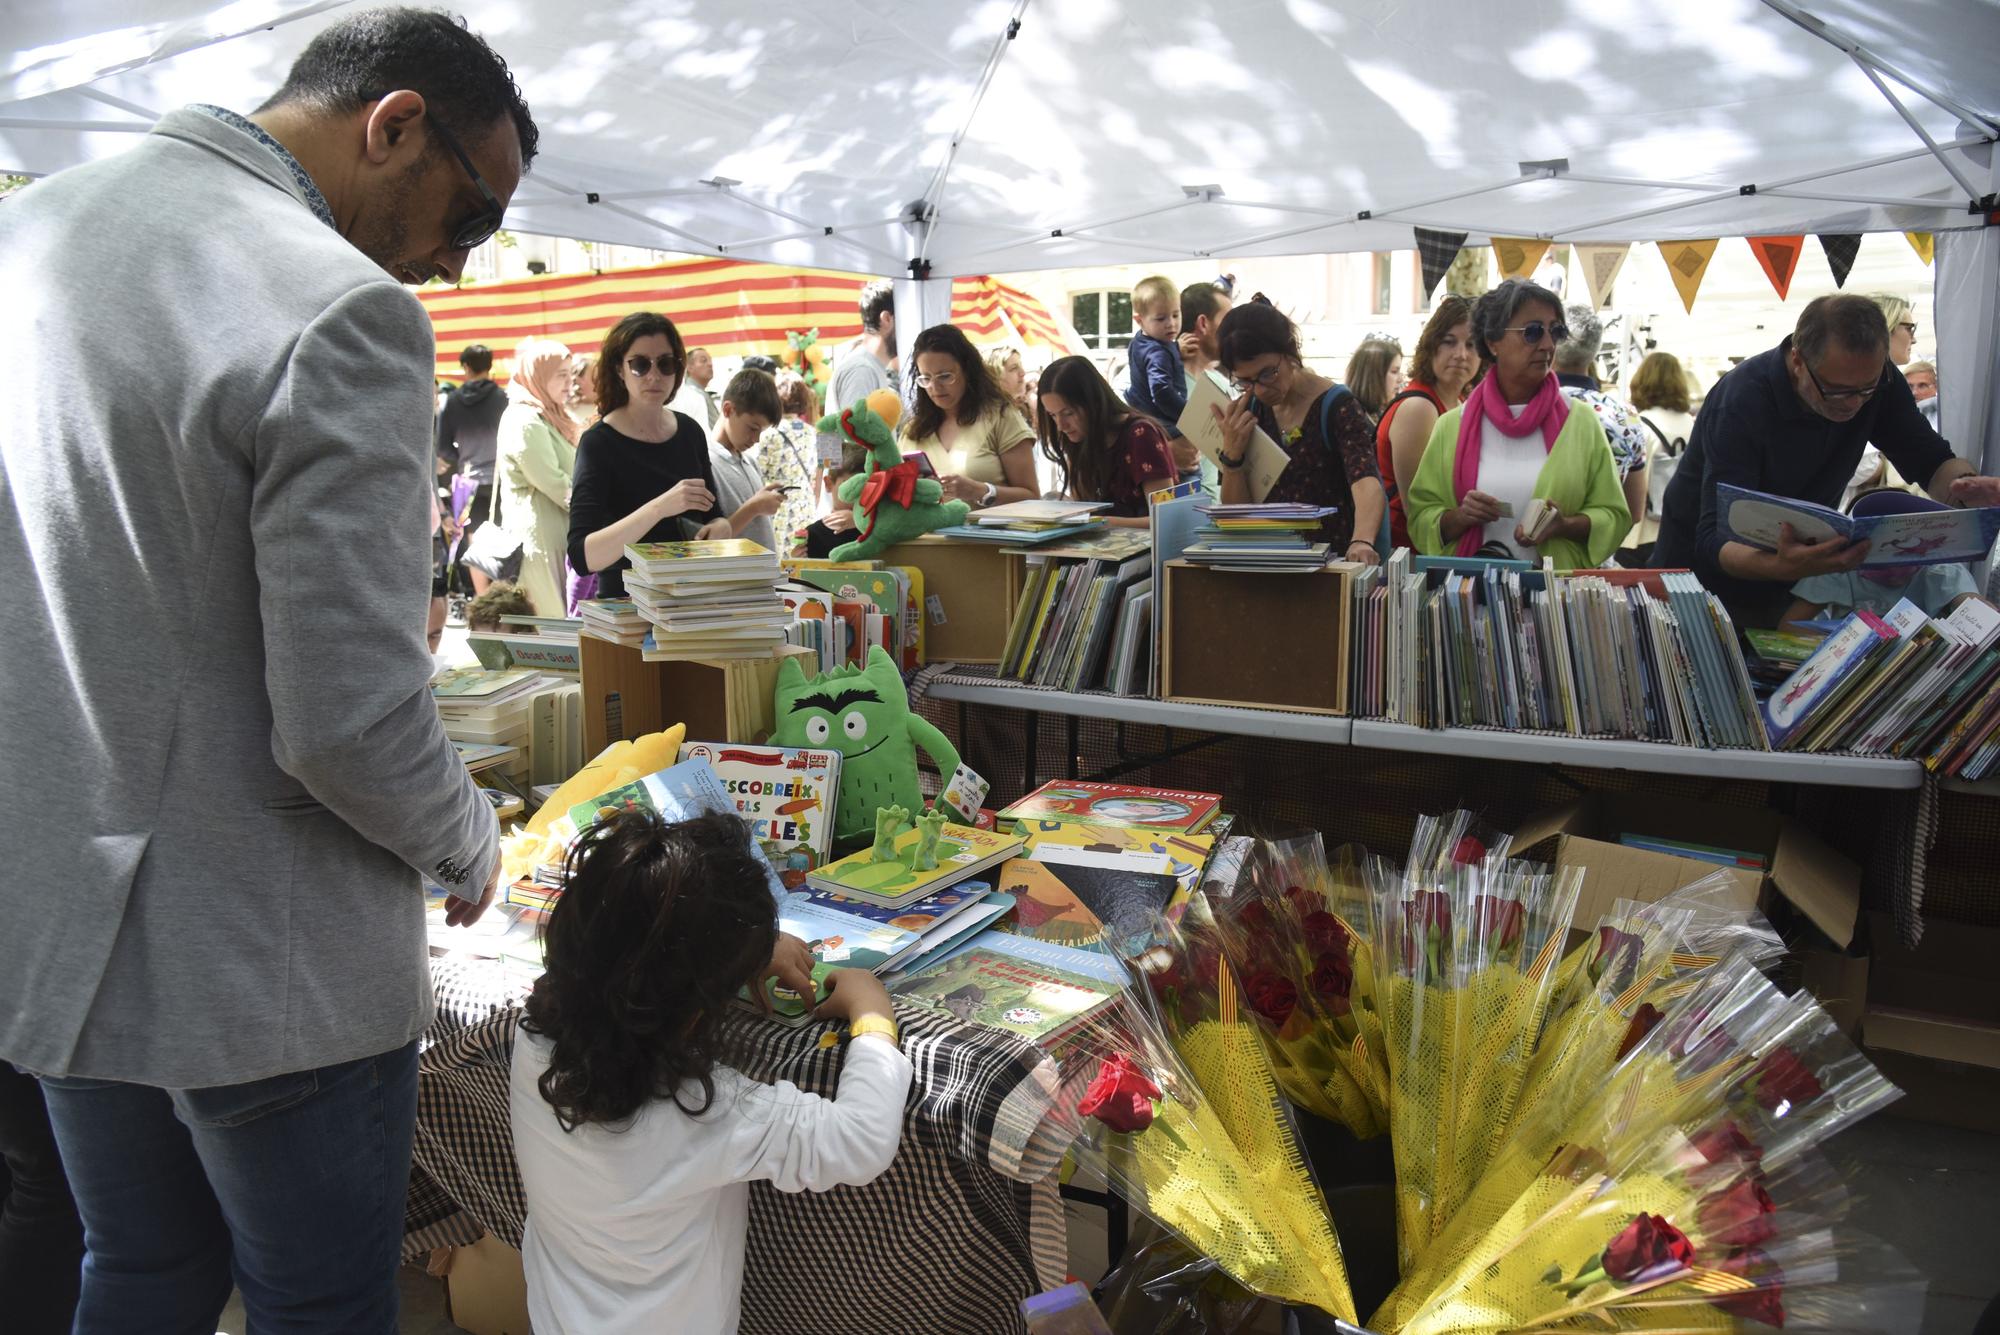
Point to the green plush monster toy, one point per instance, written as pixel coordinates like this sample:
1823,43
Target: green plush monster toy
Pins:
892,502
863,713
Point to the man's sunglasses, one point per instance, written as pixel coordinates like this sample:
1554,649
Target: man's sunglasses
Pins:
1535,330
481,226
1841,395
641,367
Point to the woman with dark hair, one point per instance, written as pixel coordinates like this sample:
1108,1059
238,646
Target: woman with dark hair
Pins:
1325,430
1103,450
976,440
636,1144
642,472
1440,369
1514,441
1375,374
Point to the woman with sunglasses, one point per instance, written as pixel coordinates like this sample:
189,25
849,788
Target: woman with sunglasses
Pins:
1103,449
976,439
1324,429
642,472
1517,440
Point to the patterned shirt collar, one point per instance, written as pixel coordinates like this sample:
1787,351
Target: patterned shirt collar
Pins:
314,199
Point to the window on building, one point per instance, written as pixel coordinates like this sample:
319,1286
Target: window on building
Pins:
1423,297
1383,286
1103,319
482,262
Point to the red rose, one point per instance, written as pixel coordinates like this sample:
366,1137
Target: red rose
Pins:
1766,1302
1726,1141
1255,917
1649,1248
1332,980
1120,1095
1616,953
1642,1024
1736,1217
1427,929
1324,933
1501,921
1468,852
1782,1078
1297,895
1271,996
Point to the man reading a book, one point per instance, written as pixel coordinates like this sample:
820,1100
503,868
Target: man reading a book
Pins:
1793,422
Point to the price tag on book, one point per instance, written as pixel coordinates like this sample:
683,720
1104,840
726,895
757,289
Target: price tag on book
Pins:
830,446
965,793
936,606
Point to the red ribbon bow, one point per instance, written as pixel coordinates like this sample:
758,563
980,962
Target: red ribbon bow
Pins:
898,484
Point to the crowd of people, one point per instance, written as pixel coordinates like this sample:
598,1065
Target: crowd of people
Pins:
215,976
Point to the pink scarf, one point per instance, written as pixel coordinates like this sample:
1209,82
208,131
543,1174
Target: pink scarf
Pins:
1546,412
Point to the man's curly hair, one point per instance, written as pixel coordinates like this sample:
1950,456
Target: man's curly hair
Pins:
659,926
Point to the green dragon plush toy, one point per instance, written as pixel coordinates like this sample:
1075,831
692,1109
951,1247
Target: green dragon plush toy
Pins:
892,502
863,713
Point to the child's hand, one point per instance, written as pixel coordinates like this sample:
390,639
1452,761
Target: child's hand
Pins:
792,965
853,993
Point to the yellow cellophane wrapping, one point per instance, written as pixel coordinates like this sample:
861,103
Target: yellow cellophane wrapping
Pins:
1230,1180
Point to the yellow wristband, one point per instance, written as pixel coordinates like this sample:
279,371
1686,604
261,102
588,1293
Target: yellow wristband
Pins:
874,1024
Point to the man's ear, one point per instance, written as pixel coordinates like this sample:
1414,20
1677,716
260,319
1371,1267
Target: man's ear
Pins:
394,127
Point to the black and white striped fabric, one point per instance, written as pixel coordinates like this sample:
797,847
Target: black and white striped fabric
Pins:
964,1225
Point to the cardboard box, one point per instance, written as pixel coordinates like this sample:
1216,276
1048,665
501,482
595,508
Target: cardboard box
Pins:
625,696
485,1289
1839,983
1933,1021
967,592
1819,882
1237,638
1950,974
1948,1093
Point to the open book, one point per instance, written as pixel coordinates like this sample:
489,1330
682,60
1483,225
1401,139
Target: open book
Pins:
1266,460
1928,537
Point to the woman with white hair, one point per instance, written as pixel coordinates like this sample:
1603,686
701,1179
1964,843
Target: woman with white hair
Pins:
537,455
1874,472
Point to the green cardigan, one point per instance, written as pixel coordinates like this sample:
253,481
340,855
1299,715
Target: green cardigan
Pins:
1580,477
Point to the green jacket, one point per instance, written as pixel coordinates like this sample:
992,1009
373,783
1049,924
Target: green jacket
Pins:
1580,477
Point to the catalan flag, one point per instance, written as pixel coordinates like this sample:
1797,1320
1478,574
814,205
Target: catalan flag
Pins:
730,307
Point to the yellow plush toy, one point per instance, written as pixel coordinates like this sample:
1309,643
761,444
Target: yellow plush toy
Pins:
619,764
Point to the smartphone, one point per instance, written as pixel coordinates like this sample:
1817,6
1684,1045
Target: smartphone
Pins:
924,468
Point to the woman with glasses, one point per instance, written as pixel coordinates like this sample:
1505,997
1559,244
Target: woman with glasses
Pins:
1518,440
962,420
1103,450
642,472
1874,472
1329,437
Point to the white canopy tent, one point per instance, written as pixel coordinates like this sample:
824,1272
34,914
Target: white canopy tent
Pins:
1007,135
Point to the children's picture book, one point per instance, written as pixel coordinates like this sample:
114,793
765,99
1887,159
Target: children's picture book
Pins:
787,795
1680,848
1186,854
498,652
992,982
475,685
1792,705
963,793
679,792
1783,646
1926,537
836,942
1116,804
960,852
1128,897
1197,422
1049,513
699,559
988,913
1045,907
923,916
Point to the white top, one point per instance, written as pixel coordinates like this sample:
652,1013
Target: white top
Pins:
1509,468
1678,428
697,405
641,1228
737,479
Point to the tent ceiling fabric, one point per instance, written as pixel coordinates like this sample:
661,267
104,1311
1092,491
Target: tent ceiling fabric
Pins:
1100,114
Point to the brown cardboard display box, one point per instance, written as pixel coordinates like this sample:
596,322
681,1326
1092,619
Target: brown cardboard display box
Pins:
1821,883
485,1289
625,696
967,595
1232,637
1933,1021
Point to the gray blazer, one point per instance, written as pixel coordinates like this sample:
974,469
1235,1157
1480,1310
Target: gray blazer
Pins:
221,770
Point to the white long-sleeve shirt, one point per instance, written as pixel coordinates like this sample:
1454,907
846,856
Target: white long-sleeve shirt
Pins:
641,1228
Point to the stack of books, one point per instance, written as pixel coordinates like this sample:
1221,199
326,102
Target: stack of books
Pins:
841,612
1038,516
1649,655
613,619
1080,622
1273,537
1903,685
707,600
480,705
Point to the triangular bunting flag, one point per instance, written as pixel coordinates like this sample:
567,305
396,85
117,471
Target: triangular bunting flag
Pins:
1436,250
1600,270
1840,248
1687,261
1923,243
1517,256
1780,256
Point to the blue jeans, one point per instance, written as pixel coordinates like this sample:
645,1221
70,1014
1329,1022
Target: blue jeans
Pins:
292,1188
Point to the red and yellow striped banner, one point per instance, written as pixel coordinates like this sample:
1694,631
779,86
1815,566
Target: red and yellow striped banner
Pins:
730,307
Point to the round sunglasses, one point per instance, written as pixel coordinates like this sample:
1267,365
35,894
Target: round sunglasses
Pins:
641,367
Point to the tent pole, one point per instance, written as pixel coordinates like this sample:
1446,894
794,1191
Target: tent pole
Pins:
934,195
1343,219
1964,183
1884,201
119,103
1833,36
79,127
1044,233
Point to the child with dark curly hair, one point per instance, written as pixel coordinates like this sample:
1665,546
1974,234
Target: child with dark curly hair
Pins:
635,1145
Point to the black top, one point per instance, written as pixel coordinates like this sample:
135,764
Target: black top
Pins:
616,474
1754,431
468,428
1323,471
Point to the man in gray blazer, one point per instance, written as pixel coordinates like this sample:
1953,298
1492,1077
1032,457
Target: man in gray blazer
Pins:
223,774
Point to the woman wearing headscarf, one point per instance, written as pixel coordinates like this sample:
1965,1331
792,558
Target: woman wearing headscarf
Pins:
537,454
1514,441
